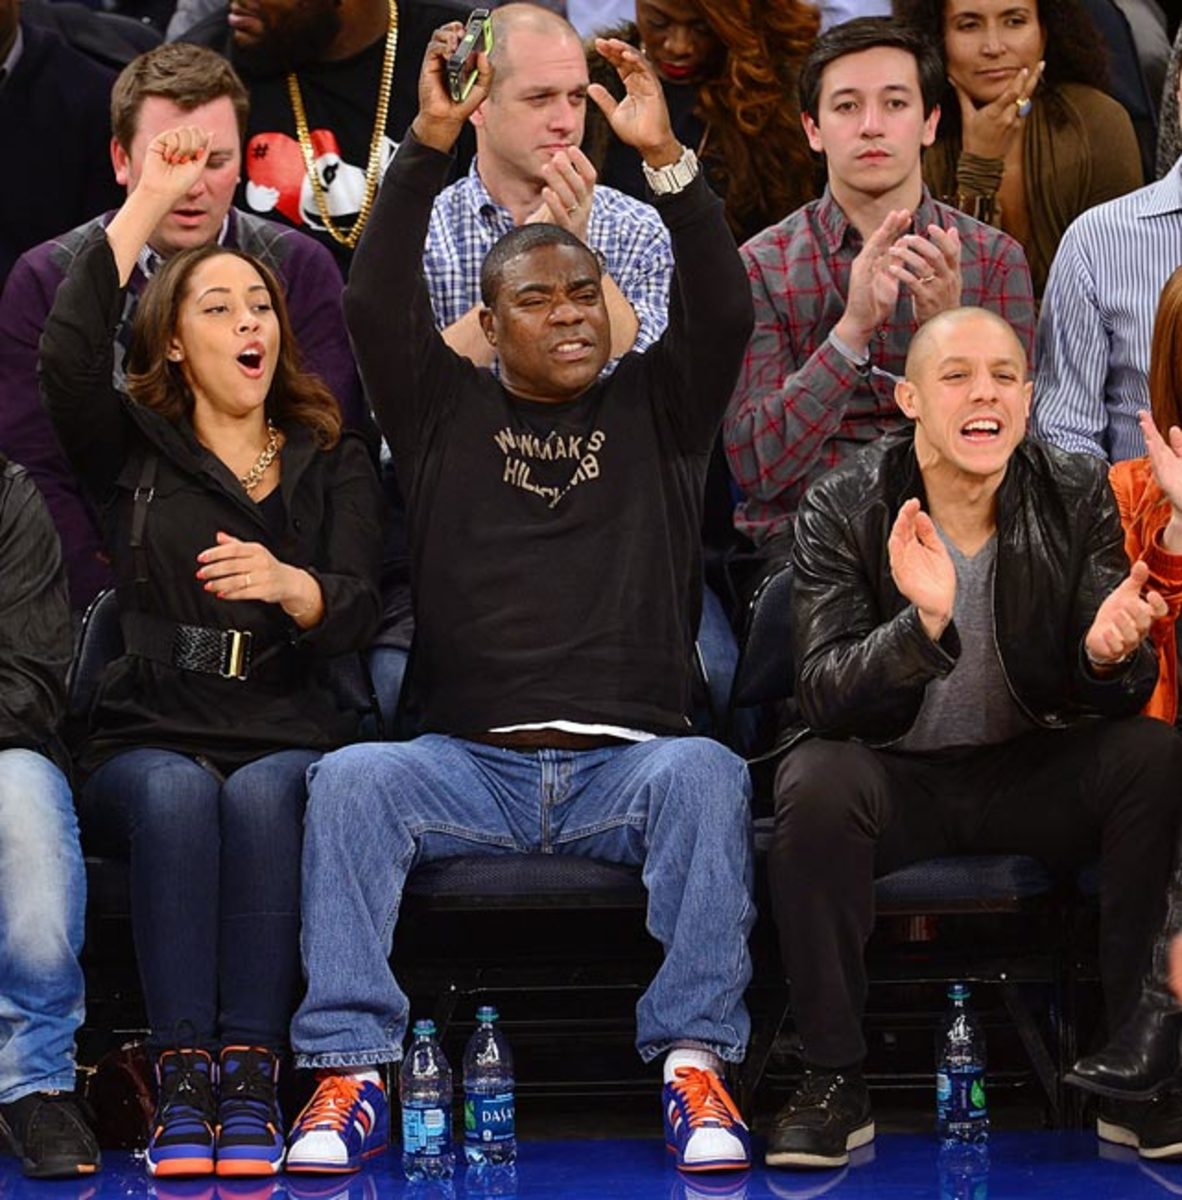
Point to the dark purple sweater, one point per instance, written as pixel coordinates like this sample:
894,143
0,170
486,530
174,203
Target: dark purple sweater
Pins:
313,288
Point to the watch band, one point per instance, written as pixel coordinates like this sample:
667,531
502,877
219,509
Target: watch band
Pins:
673,178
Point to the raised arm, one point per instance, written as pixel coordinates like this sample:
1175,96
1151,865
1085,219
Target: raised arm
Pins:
405,364
693,365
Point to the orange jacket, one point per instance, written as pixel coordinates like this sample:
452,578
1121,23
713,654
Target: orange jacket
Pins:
1144,512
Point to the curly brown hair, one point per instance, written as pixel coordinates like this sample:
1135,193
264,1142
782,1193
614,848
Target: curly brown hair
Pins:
758,156
1074,53
153,380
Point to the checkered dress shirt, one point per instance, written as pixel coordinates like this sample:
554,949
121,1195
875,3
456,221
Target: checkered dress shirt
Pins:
634,242
801,408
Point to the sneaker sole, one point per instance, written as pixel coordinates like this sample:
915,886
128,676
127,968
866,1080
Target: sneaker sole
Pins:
1120,1136
714,1164
180,1166
801,1158
229,1168
315,1168
62,1169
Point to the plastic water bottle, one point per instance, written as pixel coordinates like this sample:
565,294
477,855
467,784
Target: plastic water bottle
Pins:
963,1169
490,1134
424,1087
961,1113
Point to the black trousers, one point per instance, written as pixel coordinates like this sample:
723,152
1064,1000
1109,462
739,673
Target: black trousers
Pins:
846,813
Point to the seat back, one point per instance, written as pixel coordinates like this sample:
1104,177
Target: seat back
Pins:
100,641
765,672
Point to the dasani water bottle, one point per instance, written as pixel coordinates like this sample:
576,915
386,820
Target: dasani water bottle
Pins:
961,1113
425,1089
489,1114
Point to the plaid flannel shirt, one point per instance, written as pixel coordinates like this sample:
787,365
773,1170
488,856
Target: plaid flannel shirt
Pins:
800,407
466,221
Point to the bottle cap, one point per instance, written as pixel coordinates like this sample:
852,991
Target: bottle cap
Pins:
487,1012
424,1029
959,991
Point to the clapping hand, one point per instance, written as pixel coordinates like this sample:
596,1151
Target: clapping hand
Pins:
922,567
929,267
1123,620
567,191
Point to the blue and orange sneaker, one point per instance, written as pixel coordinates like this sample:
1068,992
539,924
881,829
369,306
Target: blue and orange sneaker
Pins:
249,1136
347,1120
181,1142
702,1125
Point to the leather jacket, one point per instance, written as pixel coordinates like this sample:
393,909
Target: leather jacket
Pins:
863,657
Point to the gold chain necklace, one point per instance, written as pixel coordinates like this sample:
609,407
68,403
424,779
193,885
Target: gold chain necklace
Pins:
374,166
254,476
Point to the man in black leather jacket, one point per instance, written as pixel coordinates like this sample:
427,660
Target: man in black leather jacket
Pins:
971,657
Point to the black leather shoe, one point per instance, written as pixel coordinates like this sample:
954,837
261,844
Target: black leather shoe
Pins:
1139,1060
49,1134
1152,1127
827,1117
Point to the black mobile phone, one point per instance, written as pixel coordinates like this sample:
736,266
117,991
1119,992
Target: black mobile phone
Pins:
461,64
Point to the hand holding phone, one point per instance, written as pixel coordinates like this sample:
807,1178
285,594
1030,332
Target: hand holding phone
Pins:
461,63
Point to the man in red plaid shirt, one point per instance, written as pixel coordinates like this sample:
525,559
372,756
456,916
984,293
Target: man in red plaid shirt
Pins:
842,284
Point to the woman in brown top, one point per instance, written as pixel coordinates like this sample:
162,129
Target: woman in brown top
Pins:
1026,142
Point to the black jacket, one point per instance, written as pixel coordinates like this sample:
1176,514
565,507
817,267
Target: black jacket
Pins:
332,529
863,658
35,639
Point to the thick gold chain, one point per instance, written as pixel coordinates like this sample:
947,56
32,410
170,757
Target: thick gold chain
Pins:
374,167
254,476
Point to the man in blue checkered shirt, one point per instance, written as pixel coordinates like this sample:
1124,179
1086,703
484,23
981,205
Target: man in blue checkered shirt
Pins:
529,167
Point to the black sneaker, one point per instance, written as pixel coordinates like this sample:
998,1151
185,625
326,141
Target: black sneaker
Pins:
1152,1127
827,1117
250,1128
49,1134
181,1142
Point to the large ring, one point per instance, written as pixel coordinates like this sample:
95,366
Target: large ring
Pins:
927,278
1024,106
570,212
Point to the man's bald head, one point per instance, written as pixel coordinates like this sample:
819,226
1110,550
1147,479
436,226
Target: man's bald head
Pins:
512,19
933,332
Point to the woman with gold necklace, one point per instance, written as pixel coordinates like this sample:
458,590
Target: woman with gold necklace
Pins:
244,531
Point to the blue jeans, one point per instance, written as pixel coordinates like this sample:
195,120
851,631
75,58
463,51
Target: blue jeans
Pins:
680,807
215,886
42,906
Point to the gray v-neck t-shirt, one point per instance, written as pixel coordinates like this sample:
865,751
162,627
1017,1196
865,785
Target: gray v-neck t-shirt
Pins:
971,705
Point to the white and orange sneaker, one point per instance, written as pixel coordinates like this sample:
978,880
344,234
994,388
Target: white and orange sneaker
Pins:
346,1121
702,1125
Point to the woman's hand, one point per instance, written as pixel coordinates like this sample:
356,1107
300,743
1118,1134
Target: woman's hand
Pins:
237,570
173,165
989,131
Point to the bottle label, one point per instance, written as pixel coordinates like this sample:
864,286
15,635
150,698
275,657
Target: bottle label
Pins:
960,1094
425,1130
488,1119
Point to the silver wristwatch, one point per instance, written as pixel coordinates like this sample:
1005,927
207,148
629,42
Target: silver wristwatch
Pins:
671,179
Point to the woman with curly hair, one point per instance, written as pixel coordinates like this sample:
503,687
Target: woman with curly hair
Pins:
244,529
1026,142
728,69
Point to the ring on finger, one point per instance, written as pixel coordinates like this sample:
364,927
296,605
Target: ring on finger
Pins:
574,208
248,579
1024,106
927,278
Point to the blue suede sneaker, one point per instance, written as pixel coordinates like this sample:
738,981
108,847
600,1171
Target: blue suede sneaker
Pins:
181,1142
250,1128
702,1125
347,1120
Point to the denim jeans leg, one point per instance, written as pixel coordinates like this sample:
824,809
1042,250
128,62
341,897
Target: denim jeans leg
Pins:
159,809
262,829
682,807
375,811
42,905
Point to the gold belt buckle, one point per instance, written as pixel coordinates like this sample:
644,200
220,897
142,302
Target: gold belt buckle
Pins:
236,656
